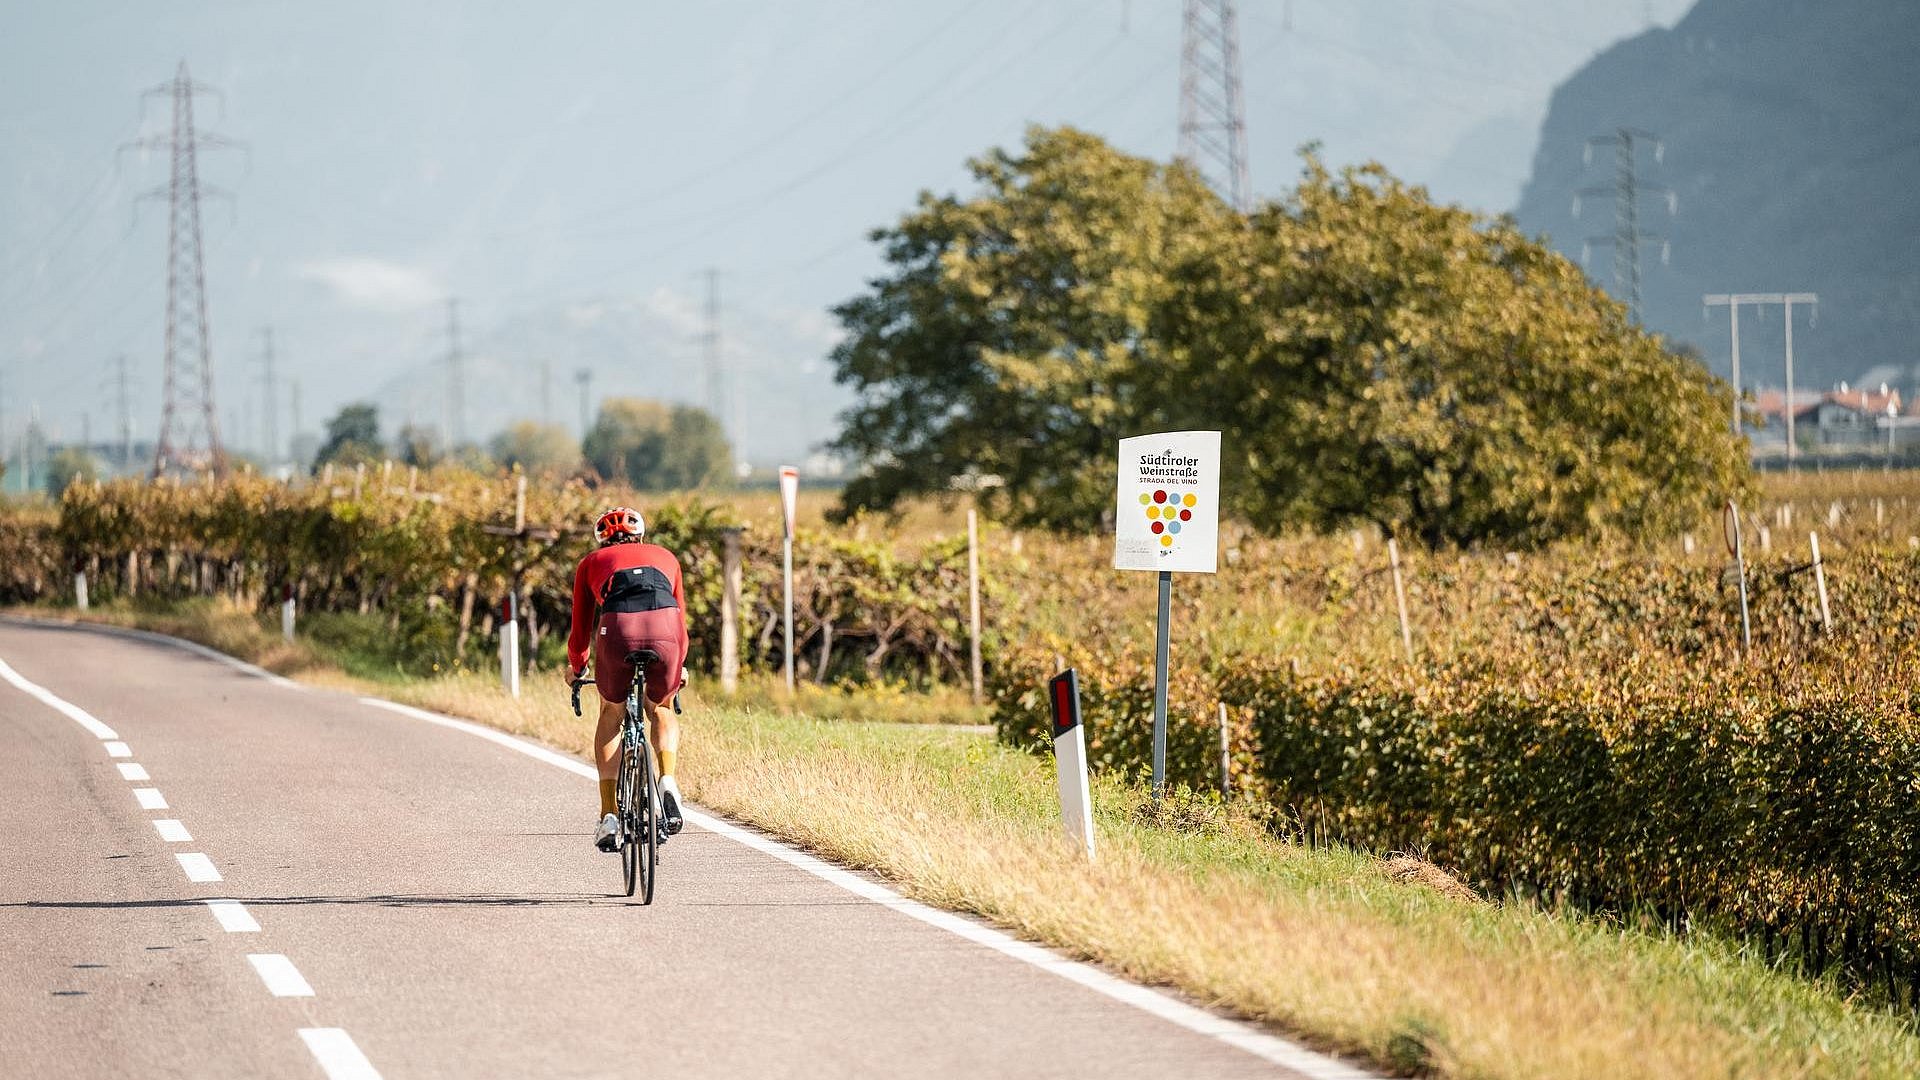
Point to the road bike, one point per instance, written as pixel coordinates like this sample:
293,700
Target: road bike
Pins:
637,787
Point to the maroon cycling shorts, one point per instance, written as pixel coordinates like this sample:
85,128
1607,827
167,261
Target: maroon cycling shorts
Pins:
623,632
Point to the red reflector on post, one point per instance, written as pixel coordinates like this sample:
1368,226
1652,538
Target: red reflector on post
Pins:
1064,691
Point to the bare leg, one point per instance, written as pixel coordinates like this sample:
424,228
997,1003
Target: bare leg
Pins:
606,738
665,728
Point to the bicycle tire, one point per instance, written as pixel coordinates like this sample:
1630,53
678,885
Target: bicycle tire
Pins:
629,850
650,828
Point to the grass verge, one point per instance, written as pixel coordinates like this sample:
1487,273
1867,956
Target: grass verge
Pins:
1376,957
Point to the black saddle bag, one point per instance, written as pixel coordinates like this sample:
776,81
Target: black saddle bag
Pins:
637,588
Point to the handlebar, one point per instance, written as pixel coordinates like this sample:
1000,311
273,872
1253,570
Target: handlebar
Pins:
578,683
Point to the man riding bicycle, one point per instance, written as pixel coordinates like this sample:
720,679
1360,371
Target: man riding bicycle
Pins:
627,598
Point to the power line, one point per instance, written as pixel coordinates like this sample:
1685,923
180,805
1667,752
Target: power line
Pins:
1626,189
189,435
1213,114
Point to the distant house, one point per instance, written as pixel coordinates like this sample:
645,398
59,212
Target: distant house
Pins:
1841,419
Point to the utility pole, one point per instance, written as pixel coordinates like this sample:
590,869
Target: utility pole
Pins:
456,419
710,347
1213,116
123,400
1732,302
270,425
189,435
546,391
584,377
1626,189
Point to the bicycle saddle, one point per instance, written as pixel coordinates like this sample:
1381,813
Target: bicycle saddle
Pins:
642,657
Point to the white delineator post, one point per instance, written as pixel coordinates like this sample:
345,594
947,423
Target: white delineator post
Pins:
973,600
287,615
1820,582
789,501
80,589
510,646
1070,760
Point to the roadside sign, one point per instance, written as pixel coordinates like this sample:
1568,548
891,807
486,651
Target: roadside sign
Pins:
1730,528
1167,503
789,493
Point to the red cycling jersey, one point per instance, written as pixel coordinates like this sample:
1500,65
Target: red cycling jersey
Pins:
590,581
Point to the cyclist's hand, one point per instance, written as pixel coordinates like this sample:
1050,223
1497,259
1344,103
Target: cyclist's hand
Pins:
571,676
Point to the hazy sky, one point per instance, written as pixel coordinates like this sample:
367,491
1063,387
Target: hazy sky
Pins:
569,172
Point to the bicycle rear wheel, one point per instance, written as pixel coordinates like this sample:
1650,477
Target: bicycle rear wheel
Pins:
644,840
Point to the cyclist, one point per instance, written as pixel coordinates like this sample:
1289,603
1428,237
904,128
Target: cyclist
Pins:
626,597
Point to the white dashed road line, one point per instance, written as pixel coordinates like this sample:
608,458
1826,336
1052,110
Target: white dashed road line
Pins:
281,977
233,916
339,1058
197,866
171,830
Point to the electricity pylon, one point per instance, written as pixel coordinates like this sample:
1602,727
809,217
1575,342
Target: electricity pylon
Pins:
1626,189
1213,116
189,435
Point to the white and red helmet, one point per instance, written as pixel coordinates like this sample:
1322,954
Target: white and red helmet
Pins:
619,525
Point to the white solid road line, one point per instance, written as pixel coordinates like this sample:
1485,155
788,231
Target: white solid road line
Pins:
339,1058
118,749
171,830
233,916
195,647
150,798
133,770
1246,1037
65,708
281,977
197,866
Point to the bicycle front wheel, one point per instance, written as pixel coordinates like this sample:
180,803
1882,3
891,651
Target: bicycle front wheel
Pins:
629,797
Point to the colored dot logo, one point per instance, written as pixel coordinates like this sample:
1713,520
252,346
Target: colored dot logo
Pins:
1167,512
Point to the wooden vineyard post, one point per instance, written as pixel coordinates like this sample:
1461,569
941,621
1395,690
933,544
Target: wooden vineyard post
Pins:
973,601
1820,582
1226,757
730,610
1400,596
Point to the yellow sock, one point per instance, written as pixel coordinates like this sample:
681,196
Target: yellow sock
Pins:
666,762
607,800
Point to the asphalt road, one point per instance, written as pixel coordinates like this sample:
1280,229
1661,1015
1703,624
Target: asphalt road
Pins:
417,900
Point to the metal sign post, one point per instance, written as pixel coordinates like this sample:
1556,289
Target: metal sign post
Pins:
789,500
1167,519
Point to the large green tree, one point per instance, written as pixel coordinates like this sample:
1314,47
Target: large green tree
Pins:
540,449
1368,354
658,447
353,436
1013,337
